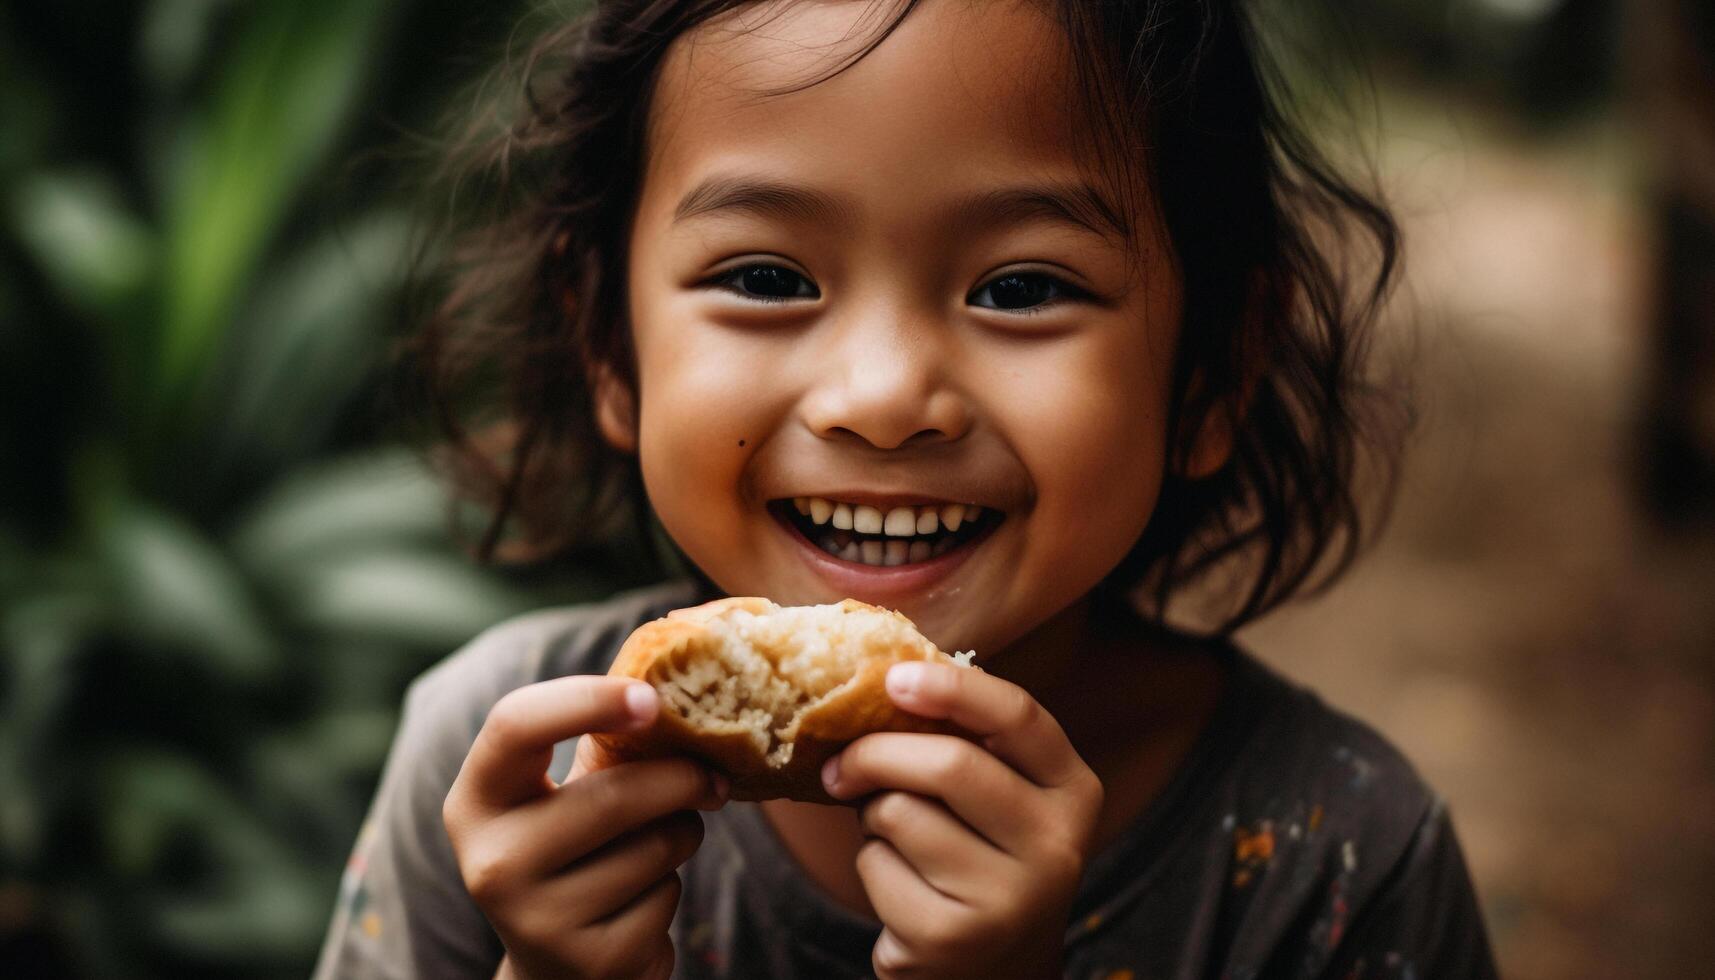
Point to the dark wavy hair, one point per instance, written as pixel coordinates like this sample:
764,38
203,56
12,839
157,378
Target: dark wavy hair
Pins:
525,296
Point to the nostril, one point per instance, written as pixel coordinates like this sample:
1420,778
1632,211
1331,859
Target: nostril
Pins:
924,435
918,438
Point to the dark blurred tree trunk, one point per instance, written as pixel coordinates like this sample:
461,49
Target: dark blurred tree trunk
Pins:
1674,63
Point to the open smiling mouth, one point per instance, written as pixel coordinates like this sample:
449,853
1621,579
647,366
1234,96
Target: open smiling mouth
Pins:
903,535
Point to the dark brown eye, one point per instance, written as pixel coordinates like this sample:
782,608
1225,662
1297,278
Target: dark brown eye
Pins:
1020,291
768,283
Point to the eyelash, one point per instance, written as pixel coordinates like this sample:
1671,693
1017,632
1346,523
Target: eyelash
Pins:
1066,290
726,281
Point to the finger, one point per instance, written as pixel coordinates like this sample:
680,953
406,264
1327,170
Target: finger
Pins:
632,943
635,924
943,849
1016,728
613,876
508,762
893,960
983,791
589,812
903,901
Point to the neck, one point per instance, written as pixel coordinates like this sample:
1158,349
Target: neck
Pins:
1047,661
1100,670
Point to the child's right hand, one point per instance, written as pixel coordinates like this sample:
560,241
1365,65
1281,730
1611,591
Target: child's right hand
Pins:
577,878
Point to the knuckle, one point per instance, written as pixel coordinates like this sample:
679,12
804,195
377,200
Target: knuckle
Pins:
602,962
1080,804
890,960
1021,710
538,926
955,759
453,814
660,902
1090,790
873,815
1061,861
505,721
630,956
672,891
959,927
887,812
898,955
660,966
488,874
870,852
601,792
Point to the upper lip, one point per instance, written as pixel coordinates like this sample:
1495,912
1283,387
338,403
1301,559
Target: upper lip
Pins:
882,500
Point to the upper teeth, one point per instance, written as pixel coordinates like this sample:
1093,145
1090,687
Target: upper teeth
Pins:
899,522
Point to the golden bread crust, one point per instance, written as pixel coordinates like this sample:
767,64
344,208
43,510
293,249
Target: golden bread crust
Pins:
856,707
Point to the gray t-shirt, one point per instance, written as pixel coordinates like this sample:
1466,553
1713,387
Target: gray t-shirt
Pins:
1293,842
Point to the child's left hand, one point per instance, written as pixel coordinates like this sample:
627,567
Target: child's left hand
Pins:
975,851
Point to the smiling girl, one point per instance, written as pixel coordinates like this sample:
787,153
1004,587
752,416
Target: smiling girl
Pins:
1012,316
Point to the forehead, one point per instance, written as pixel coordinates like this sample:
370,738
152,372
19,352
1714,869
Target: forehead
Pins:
962,93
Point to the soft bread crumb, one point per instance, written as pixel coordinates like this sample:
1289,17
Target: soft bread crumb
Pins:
762,672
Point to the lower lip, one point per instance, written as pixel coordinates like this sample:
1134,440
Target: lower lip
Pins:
880,581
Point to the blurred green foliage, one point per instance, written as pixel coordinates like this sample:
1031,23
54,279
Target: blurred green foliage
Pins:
217,569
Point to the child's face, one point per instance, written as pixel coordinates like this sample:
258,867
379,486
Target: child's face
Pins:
903,336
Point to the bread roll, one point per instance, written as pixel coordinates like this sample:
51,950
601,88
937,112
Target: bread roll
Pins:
767,693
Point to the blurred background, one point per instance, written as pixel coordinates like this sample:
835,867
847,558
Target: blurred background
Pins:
220,565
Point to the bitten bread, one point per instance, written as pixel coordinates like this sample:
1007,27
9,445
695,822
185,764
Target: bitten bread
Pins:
767,693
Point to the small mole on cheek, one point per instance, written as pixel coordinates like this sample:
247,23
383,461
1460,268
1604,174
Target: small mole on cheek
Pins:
741,442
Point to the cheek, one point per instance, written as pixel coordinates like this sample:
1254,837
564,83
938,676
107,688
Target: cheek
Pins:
1094,439
699,400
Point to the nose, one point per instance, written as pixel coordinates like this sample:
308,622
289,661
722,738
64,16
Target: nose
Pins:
888,385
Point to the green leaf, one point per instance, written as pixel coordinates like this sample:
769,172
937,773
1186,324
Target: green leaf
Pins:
291,81
423,599
176,589
384,499
171,39
274,911
256,899
149,794
39,637
85,241
310,340
311,768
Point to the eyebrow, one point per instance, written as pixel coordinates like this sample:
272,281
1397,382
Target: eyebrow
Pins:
1075,203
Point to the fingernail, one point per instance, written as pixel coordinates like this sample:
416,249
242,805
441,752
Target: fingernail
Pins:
831,773
722,787
641,700
904,678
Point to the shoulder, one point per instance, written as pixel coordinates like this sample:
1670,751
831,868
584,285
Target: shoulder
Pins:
1326,821
1305,759
454,696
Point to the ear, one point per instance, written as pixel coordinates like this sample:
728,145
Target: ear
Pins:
615,409
1202,452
